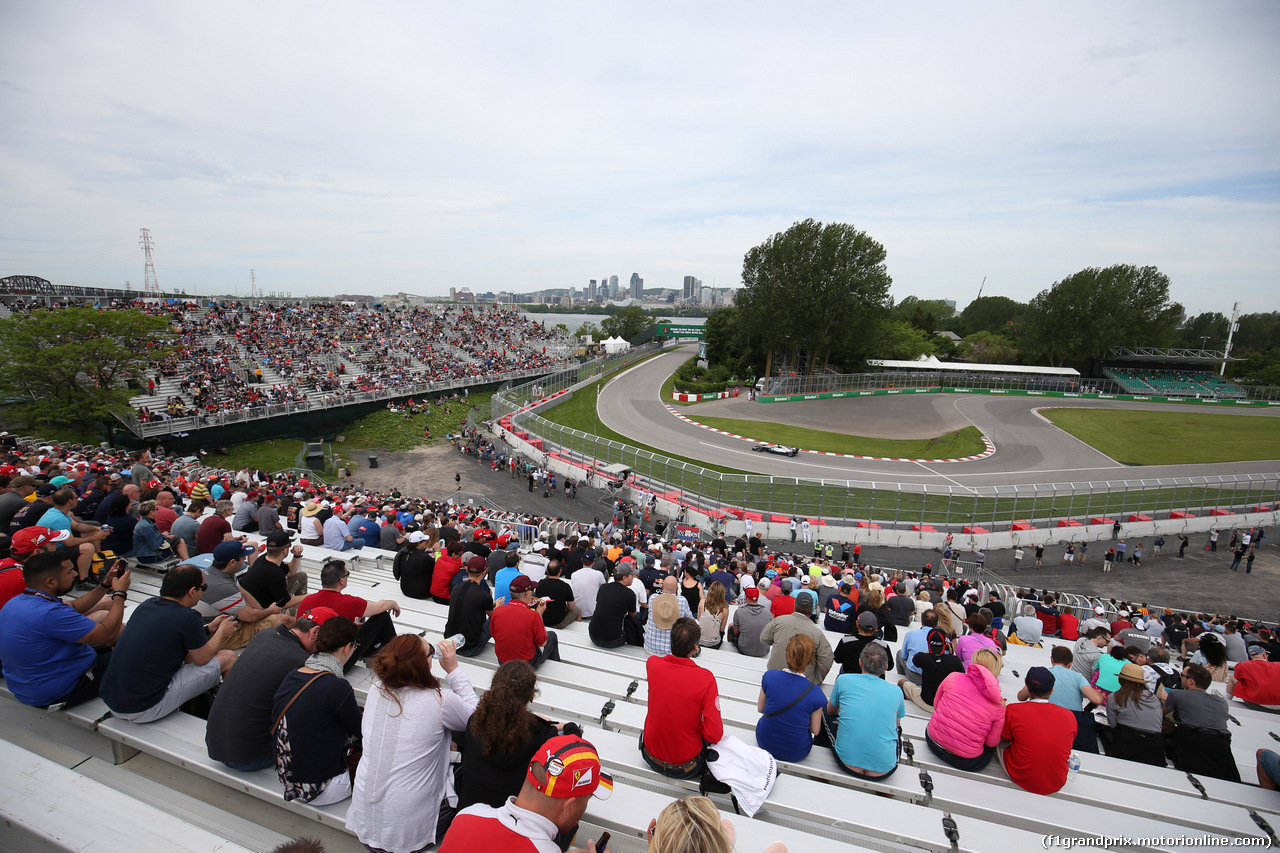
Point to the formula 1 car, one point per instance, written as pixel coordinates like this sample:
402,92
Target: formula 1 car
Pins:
780,449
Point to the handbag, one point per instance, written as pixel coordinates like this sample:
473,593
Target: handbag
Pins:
794,702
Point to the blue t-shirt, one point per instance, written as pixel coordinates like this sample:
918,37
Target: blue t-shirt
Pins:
912,644
55,519
1066,688
152,648
786,736
869,710
502,582
40,649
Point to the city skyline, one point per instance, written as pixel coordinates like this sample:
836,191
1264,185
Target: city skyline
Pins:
416,148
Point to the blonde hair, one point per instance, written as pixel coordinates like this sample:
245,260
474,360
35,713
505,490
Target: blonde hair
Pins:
989,660
947,622
690,825
875,597
716,603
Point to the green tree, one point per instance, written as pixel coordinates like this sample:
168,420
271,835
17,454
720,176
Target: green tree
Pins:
1082,316
988,348
626,323
904,341
992,313
590,328
924,314
1204,331
68,367
818,293
727,341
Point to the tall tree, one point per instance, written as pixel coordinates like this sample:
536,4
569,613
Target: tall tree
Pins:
626,322
1204,331
1080,317
816,292
727,341
988,348
924,314
992,313
68,366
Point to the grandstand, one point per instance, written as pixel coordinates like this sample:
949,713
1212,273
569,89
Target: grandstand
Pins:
1169,373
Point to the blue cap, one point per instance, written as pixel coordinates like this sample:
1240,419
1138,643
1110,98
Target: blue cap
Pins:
232,550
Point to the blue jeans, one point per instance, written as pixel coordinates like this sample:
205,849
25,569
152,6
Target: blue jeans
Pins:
250,766
353,545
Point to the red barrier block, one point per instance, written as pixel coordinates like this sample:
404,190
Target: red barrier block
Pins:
523,435
1180,514
1220,512
779,519
868,525
754,516
1101,519
816,521
1021,525
975,530
1266,508
734,511
924,528
1137,516
1069,522
536,443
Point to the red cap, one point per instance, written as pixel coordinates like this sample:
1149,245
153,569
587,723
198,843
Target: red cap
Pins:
30,539
319,615
752,593
572,769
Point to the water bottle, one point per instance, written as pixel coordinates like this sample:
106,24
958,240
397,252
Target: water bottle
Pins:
458,641
1073,766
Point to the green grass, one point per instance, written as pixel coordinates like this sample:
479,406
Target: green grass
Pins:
953,445
1137,437
271,455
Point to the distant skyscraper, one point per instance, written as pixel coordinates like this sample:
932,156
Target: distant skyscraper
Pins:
637,286
614,293
692,291
591,291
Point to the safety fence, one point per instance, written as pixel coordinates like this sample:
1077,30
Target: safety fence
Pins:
1087,508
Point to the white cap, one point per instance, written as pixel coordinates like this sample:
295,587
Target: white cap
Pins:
1098,609
417,536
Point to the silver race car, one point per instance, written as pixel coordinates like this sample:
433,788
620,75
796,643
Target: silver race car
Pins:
780,449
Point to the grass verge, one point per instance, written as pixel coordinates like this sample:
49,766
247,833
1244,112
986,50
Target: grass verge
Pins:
953,445
1137,437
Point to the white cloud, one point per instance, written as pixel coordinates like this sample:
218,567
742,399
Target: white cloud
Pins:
399,146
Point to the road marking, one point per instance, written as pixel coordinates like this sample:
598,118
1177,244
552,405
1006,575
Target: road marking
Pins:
945,477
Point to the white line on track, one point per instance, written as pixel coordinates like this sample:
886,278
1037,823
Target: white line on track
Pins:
945,477
883,475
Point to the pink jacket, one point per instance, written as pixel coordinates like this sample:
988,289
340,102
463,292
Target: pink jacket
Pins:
968,712
970,643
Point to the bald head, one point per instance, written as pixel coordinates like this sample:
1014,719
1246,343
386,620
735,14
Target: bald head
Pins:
131,491
670,585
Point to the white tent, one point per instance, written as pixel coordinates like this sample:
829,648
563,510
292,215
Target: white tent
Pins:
615,345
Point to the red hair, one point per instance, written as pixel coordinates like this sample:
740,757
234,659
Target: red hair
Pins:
404,663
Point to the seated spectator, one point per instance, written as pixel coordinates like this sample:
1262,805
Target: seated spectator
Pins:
376,629
901,607
213,530
664,609
316,716
849,648
840,610
399,784
560,611
1071,690
165,656
614,620
935,665
684,707
517,628
82,539
509,571
694,825
501,738
337,536
1201,741
469,607
1136,718
544,816
1256,682
780,630
1268,769
914,642
54,656
239,729
187,525
224,596
309,524
277,574
1088,649
784,604
1027,629
714,616
791,704
413,566
749,622
1038,736
1212,655
862,718
1107,670
968,715
119,526
588,580
874,603
976,639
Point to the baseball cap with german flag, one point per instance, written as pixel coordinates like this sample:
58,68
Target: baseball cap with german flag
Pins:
571,769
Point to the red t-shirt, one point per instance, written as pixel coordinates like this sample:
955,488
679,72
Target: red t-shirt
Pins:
481,827
684,709
1119,625
211,533
165,517
11,581
1257,681
1042,735
446,567
517,631
350,606
782,605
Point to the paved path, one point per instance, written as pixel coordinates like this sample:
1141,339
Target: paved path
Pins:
1029,449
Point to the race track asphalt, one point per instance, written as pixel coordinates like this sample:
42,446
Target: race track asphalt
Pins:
1029,449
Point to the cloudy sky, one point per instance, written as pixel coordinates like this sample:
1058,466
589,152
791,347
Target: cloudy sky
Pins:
380,147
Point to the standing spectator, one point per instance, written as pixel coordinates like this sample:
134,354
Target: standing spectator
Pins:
165,657
517,628
791,704
399,785
316,715
1039,736
684,707
749,622
863,715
